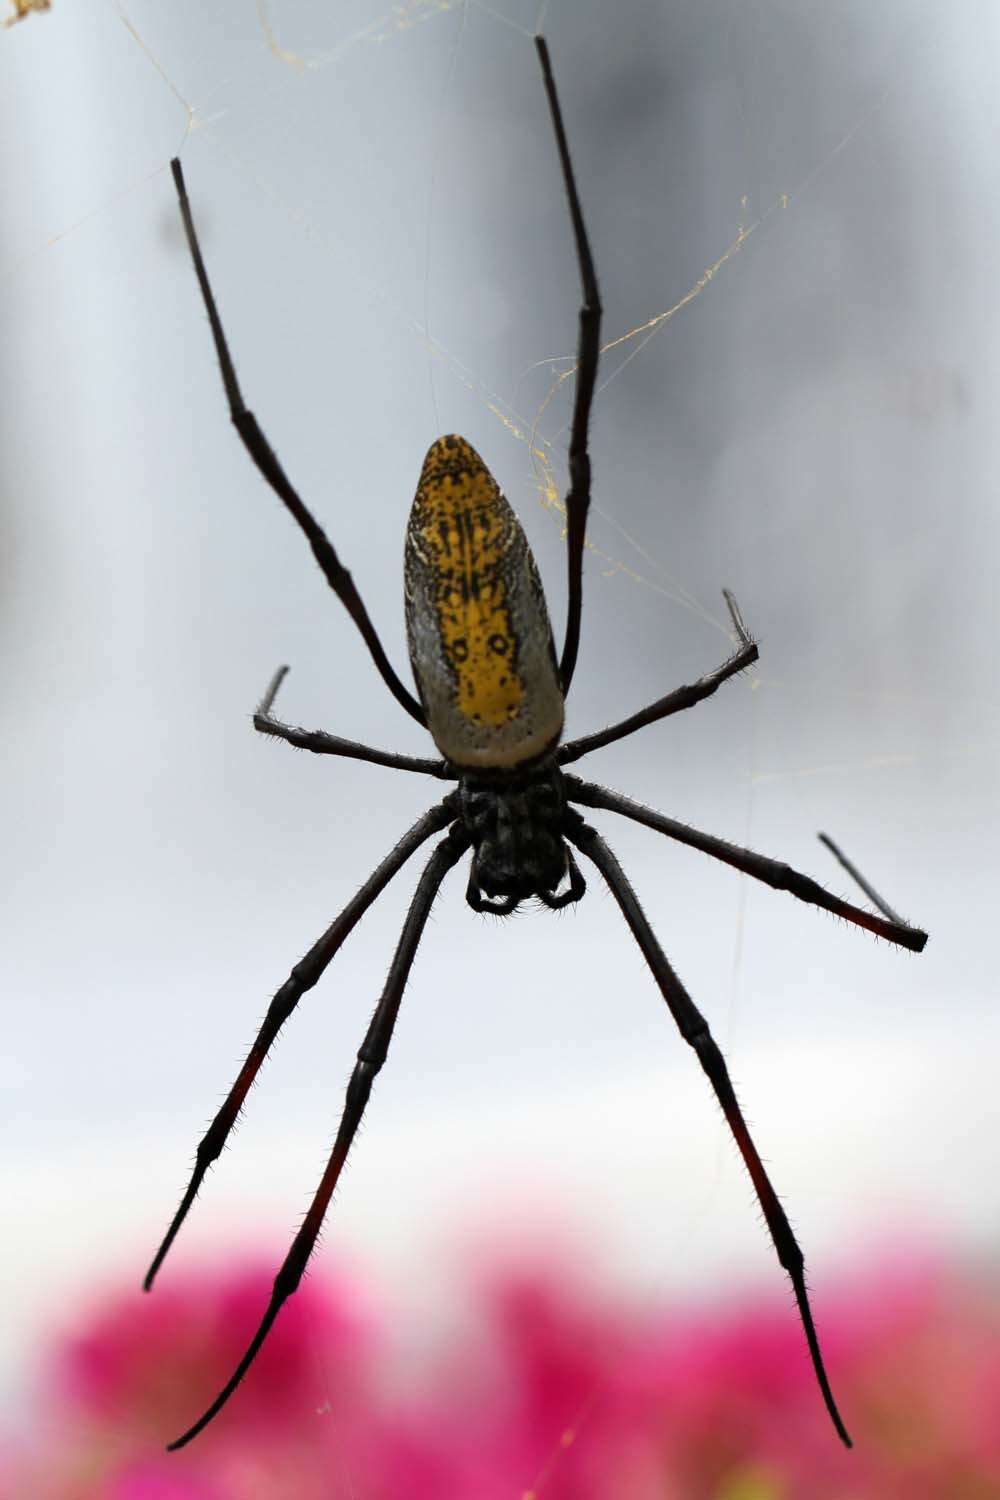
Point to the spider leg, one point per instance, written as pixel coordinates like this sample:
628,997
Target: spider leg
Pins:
857,876
587,356
266,460
681,698
693,1028
321,743
371,1056
773,872
305,974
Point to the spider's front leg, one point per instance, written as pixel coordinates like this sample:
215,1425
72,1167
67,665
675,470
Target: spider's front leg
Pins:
306,973
694,1029
371,1055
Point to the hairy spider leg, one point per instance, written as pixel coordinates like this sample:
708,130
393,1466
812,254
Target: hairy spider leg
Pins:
266,460
857,876
371,1056
587,356
775,873
321,743
693,1028
306,973
681,698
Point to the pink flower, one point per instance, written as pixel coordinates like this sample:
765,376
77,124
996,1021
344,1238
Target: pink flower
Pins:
556,1392
137,1371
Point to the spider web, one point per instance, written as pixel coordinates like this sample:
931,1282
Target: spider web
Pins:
787,209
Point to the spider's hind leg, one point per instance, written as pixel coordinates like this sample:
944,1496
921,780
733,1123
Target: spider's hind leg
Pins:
266,460
588,353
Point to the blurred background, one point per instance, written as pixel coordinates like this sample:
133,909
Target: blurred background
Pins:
792,210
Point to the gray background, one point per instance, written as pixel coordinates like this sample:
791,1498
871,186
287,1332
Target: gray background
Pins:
384,223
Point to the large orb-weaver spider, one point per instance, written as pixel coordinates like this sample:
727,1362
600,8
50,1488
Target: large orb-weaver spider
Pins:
491,693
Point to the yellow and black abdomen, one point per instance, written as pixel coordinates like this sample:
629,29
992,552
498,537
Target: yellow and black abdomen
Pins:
478,629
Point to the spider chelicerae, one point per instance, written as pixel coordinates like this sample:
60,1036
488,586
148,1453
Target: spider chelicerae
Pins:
492,693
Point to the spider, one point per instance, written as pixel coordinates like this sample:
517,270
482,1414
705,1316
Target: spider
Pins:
492,693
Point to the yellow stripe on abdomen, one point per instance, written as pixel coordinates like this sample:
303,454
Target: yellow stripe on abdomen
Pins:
480,641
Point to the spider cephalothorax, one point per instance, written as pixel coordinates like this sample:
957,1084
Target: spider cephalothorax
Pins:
492,695
517,824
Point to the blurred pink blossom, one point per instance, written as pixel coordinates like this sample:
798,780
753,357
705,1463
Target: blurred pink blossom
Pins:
553,1391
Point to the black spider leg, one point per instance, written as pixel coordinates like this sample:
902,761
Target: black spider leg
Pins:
856,875
321,743
305,974
587,356
680,698
266,460
775,873
371,1056
693,1028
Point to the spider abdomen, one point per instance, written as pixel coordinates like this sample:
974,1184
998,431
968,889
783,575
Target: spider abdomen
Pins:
478,629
